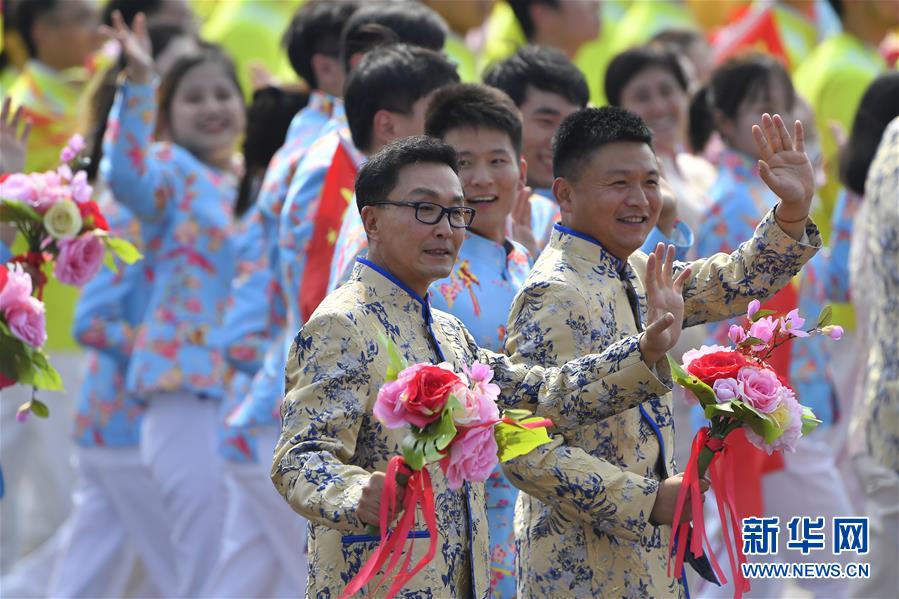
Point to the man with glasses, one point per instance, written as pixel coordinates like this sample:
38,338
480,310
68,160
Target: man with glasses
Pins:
330,458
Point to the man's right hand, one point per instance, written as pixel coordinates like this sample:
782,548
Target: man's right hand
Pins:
664,304
666,500
369,508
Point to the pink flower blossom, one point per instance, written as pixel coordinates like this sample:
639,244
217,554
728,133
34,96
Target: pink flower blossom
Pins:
692,354
75,145
754,306
81,190
792,324
17,288
834,331
26,320
79,259
486,392
736,334
19,187
789,420
761,388
763,329
472,456
727,390
394,406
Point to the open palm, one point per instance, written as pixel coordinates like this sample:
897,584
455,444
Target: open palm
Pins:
135,44
784,166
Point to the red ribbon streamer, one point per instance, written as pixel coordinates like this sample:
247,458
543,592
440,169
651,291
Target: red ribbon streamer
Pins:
419,492
721,473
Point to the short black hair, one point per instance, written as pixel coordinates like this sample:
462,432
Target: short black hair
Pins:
129,9
522,10
393,78
543,68
677,39
875,111
315,29
412,23
378,176
587,130
27,12
736,80
630,63
473,106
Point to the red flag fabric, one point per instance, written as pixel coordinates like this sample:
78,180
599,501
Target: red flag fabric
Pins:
337,192
754,30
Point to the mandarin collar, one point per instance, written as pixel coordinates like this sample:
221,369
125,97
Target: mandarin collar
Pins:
586,247
386,282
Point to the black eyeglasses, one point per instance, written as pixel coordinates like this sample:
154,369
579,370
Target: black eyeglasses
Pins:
460,217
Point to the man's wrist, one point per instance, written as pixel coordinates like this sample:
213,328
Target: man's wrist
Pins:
788,216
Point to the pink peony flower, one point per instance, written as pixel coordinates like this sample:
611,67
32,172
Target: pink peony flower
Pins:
736,334
754,306
789,419
792,324
727,390
79,259
17,288
19,187
472,456
761,388
26,320
692,354
763,329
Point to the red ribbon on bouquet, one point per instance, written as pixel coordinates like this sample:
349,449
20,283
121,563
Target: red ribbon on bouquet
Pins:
721,472
419,492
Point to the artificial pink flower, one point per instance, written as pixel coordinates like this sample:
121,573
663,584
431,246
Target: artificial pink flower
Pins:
692,354
763,329
789,420
486,392
727,390
17,288
754,306
792,324
26,320
736,334
81,190
834,331
19,187
79,259
417,397
75,145
761,388
472,456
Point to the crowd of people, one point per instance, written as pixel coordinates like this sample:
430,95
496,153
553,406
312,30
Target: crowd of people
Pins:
565,190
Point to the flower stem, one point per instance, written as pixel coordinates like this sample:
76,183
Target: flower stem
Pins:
704,459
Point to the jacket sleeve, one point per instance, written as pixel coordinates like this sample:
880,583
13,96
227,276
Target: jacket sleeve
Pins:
138,172
328,386
722,285
542,325
583,488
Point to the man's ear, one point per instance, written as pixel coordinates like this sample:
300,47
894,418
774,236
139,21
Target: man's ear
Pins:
383,128
371,222
523,171
564,194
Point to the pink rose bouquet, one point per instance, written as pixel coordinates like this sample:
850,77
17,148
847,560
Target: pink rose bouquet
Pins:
738,389
452,420
60,222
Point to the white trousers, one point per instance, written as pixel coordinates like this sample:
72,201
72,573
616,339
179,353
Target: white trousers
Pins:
117,520
809,485
36,459
881,488
263,550
178,446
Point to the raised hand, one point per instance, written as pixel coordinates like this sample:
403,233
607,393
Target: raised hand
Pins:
665,304
522,231
135,45
12,142
785,168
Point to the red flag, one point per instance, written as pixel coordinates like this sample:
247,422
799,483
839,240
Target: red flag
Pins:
755,30
337,192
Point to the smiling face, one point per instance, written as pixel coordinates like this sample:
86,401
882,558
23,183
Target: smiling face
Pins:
416,253
541,112
491,175
207,113
616,198
655,96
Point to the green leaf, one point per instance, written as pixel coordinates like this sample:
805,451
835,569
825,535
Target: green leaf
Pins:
703,392
825,317
442,432
809,421
515,440
762,313
762,424
412,453
39,408
396,363
45,376
751,341
16,362
124,250
719,409
517,415
15,211
109,262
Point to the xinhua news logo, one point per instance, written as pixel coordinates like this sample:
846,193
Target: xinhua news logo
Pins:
806,535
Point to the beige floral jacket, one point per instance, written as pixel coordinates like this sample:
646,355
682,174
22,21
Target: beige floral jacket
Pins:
583,527
330,441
